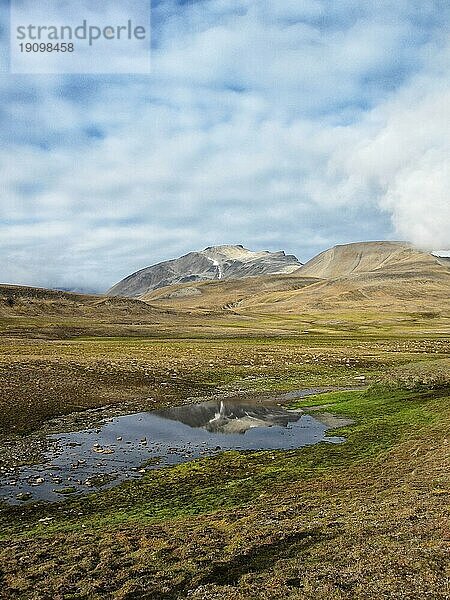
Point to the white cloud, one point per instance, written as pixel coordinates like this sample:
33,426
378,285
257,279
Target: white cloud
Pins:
254,128
400,156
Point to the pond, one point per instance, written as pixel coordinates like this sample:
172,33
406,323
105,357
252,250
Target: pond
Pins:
125,447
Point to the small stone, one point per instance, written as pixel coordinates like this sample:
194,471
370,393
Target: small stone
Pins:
66,490
23,496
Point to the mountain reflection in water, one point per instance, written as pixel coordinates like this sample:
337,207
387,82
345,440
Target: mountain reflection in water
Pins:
227,416
125,447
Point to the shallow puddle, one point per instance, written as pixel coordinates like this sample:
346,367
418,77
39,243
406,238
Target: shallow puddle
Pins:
125,447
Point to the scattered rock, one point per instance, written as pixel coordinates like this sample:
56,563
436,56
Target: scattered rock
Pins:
23,496
66,490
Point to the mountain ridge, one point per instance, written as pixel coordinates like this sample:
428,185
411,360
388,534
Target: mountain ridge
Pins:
359,275
362,257
212,263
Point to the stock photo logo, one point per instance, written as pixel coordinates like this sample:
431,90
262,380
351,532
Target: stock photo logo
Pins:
79,37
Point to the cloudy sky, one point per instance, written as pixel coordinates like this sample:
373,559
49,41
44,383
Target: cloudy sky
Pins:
293,125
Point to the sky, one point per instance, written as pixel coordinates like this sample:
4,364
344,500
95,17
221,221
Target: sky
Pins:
293,125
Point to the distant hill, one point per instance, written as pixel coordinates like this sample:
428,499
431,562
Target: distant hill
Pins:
372,276
213,263
18,300
228,294
366,275
365,257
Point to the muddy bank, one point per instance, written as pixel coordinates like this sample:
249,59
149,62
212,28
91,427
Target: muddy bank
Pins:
18,450
97,448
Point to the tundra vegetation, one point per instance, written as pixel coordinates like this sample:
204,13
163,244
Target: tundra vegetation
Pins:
362,519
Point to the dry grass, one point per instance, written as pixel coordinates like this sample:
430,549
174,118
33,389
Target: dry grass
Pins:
422,375
40,379
362,520
369,528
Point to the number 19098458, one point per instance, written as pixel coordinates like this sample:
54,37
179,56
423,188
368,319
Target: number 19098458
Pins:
46,47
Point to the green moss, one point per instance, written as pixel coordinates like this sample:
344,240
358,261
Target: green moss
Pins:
232,479
265,515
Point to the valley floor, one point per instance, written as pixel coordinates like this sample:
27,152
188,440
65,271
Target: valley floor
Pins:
364,519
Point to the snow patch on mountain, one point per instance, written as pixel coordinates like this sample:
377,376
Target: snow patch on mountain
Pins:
214,262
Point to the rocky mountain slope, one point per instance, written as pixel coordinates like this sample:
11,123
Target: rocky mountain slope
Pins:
213,263
367,275
371,276
365,257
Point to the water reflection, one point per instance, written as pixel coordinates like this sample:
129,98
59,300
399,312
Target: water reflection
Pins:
125,447
227,416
